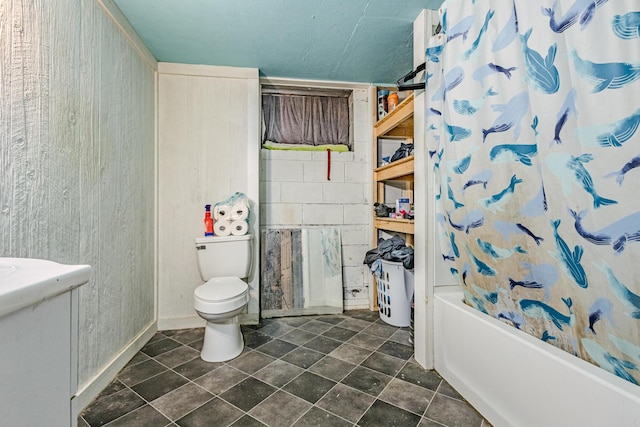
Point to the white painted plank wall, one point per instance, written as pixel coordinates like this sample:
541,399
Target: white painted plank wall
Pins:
208,143
77,163
295,193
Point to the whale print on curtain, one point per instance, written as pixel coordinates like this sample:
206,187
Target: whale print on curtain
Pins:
532,121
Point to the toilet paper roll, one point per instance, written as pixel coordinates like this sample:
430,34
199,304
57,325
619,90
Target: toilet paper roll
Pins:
222,228
222,212
239,212
239,228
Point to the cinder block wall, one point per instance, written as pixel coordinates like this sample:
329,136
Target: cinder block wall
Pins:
295,193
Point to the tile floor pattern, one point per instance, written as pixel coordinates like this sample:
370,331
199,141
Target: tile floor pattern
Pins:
338,370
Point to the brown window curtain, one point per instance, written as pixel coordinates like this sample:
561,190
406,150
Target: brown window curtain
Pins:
305,119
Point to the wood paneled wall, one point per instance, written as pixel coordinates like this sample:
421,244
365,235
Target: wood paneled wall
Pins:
77,162
281,264
208,148
301,272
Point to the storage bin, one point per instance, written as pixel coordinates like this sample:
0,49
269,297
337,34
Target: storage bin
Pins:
395,293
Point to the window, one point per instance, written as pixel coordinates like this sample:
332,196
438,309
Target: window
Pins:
306,117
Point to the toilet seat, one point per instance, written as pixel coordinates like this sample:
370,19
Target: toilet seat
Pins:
221,295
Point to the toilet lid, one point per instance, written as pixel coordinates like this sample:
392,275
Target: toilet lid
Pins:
221,289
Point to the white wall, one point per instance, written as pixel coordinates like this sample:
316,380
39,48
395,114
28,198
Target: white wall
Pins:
208,149
295,193
77,163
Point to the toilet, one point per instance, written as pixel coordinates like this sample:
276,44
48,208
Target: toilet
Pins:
223,262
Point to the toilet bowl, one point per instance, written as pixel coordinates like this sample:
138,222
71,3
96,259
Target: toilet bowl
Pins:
219,301
222,262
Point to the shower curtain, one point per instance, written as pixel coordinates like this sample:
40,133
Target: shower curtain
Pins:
532,122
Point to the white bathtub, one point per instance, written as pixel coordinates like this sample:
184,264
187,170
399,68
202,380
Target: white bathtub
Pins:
514,379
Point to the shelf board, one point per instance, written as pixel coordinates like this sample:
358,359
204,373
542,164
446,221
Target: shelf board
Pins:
401,170
394,224
398,123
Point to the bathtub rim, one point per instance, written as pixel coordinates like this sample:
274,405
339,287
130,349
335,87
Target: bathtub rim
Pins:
452,298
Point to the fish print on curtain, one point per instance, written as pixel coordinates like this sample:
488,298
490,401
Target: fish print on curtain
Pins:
532,122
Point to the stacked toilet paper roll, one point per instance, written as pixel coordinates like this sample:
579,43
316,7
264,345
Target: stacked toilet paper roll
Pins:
225,227
239,228
221,212
222,228
231,216
239,212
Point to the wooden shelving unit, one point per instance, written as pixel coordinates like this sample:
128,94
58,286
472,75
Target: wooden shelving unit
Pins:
400,170
398,124
394,224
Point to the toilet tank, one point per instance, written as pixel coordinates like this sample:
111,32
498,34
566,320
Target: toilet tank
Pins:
224,256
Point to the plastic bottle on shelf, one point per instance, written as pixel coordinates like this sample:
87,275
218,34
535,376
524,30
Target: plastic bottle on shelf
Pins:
383,107
208,221
392,101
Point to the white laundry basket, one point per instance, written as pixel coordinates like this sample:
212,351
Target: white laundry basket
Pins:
395,293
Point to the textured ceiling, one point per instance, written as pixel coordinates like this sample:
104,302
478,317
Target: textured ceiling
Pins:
339,40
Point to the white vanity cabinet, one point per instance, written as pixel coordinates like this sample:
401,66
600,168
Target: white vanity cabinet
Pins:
38,341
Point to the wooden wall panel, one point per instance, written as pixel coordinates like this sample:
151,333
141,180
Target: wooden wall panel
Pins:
295,277
204,157
296,262
286,270
6,100
271,287
77,162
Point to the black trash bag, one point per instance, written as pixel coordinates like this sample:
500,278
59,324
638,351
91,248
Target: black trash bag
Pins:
405,150
393,249
404,255
371,256
383,210
386,247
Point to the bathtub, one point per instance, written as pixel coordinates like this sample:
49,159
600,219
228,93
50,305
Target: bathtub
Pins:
514,379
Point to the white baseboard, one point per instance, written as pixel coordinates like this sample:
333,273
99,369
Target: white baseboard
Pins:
249,319
198,322
358,304
186,322
315,310
88,391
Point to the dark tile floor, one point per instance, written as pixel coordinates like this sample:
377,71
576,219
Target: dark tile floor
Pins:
339,370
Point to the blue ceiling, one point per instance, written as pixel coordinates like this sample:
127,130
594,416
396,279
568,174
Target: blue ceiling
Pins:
366,41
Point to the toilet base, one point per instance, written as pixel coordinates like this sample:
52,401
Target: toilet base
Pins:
222,340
